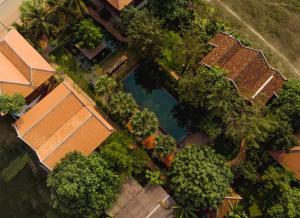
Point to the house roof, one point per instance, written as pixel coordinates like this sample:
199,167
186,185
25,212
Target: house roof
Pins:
136,201
247,68
22,68
119,4
62,122
290,160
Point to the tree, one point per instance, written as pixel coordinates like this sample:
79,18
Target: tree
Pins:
87,34
121,106
11,104
143,123
209,89
165,145
118,157
82,186
145,33
35,16
105,85
287,104
199,178
174,11
77,5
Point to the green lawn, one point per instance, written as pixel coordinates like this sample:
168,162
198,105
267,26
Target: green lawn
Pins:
25,194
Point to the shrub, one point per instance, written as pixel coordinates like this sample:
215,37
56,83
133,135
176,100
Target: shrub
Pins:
154,177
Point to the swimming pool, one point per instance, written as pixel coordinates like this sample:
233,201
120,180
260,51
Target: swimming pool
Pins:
157,100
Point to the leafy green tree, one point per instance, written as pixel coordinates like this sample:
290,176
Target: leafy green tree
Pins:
105,85
154,177
174,11
87,34
143,123
118,157
140,160
145,33
165,145
209,89
199,178
11,104
35,16
82,186
287,104
121,106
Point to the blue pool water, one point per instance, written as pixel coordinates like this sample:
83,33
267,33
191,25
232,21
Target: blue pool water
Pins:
157,100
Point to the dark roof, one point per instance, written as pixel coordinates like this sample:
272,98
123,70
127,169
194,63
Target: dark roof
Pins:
247,68
138,202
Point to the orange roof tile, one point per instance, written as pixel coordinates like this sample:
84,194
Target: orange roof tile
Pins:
119,4
62,122
22,68
247,68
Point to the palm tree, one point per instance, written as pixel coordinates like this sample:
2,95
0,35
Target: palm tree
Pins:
143,123
35,16
165,145
121,106
105,86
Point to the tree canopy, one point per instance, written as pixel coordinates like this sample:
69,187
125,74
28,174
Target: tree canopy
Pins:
87,34
199,178
82,186
287,104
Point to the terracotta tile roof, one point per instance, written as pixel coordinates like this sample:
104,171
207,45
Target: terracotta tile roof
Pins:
291,160
62,122
247,68
136,201
22,68
119,4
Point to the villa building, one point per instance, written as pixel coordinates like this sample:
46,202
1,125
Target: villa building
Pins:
64,121
22,68
247,68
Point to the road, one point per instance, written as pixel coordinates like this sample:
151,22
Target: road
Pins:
261,37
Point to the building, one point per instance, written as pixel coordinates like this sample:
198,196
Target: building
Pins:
119,4
289,160
247,68
64,121
138,202
22,68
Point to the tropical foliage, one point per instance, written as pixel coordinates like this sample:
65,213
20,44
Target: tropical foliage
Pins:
143,123
11,104
87,34
105,85
83,186
199,177
165,145
154,177
121,106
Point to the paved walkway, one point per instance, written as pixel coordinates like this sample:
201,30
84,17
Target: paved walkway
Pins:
9,13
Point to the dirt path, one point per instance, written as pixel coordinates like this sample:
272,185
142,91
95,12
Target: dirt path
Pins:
275,50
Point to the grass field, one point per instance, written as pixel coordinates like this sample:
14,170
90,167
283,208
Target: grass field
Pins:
278,21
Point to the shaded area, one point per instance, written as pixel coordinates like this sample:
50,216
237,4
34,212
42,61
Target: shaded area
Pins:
25,195
149,95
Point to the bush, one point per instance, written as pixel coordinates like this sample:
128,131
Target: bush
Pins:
11,104
154,177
